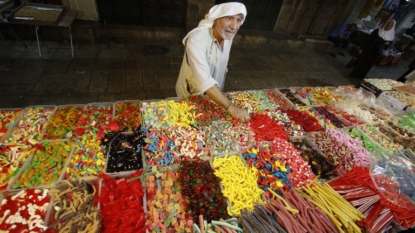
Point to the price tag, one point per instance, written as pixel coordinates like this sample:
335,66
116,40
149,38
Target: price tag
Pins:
390,102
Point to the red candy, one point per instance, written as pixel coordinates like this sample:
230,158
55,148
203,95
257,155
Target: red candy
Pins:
267,129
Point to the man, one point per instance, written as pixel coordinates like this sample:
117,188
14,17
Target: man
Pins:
207,49
340,38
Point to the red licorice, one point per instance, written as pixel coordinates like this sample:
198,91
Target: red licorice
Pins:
267,129
309,123
122,205
202,190
402,207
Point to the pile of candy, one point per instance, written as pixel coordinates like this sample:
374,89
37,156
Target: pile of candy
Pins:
7,120
408,100
384,84
185,165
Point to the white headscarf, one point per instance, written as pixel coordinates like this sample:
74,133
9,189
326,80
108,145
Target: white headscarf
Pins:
219,11
387,35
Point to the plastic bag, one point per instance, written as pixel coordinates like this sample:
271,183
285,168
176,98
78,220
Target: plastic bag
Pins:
356,94
393,177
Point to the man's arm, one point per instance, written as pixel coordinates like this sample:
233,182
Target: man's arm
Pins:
216,95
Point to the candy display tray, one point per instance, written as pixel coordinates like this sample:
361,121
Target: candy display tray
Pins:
127,102
3,195
221,186
28,162
53,114
51,209
16,122
374,140
369,138
124,174
152,101
300,100
22,115
319,153
291,104
304,100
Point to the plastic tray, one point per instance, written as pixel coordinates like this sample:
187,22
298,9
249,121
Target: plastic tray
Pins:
16,122
51,210
9,177
100,104
26,165
407,130
325,155
124,174
282,96
296,97
369,138
124,101
381,134
4,194
221,186
23,114
152,101
127,102
53,114
305,101
314,147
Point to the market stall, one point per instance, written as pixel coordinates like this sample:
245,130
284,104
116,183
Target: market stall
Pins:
311,159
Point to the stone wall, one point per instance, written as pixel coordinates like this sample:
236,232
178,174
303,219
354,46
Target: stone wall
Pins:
286,15
196,10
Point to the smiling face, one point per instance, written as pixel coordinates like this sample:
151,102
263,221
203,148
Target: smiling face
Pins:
389,26
226,27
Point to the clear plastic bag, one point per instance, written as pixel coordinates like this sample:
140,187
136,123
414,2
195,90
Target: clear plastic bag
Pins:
355,96
393,177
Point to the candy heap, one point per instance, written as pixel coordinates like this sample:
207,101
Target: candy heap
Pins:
201,189
240,193
127,115
25,211
291,97
46,166
165,204
122,204
30,128
62,122
7,120
320,166
207,111
12,157
278,99
96,120
88,158
73,207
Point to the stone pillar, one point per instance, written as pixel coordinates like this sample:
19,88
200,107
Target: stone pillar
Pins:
285,17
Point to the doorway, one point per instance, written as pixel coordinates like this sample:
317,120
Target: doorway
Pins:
262,14
149,13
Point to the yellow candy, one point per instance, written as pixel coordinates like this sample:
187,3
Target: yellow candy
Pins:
239,182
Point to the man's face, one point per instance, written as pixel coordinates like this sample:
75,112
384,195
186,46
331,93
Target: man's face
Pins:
389,26
228,26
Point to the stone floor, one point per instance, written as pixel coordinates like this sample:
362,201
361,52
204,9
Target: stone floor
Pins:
127,69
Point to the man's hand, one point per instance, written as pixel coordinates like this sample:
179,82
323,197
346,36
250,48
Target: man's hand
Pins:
238,113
